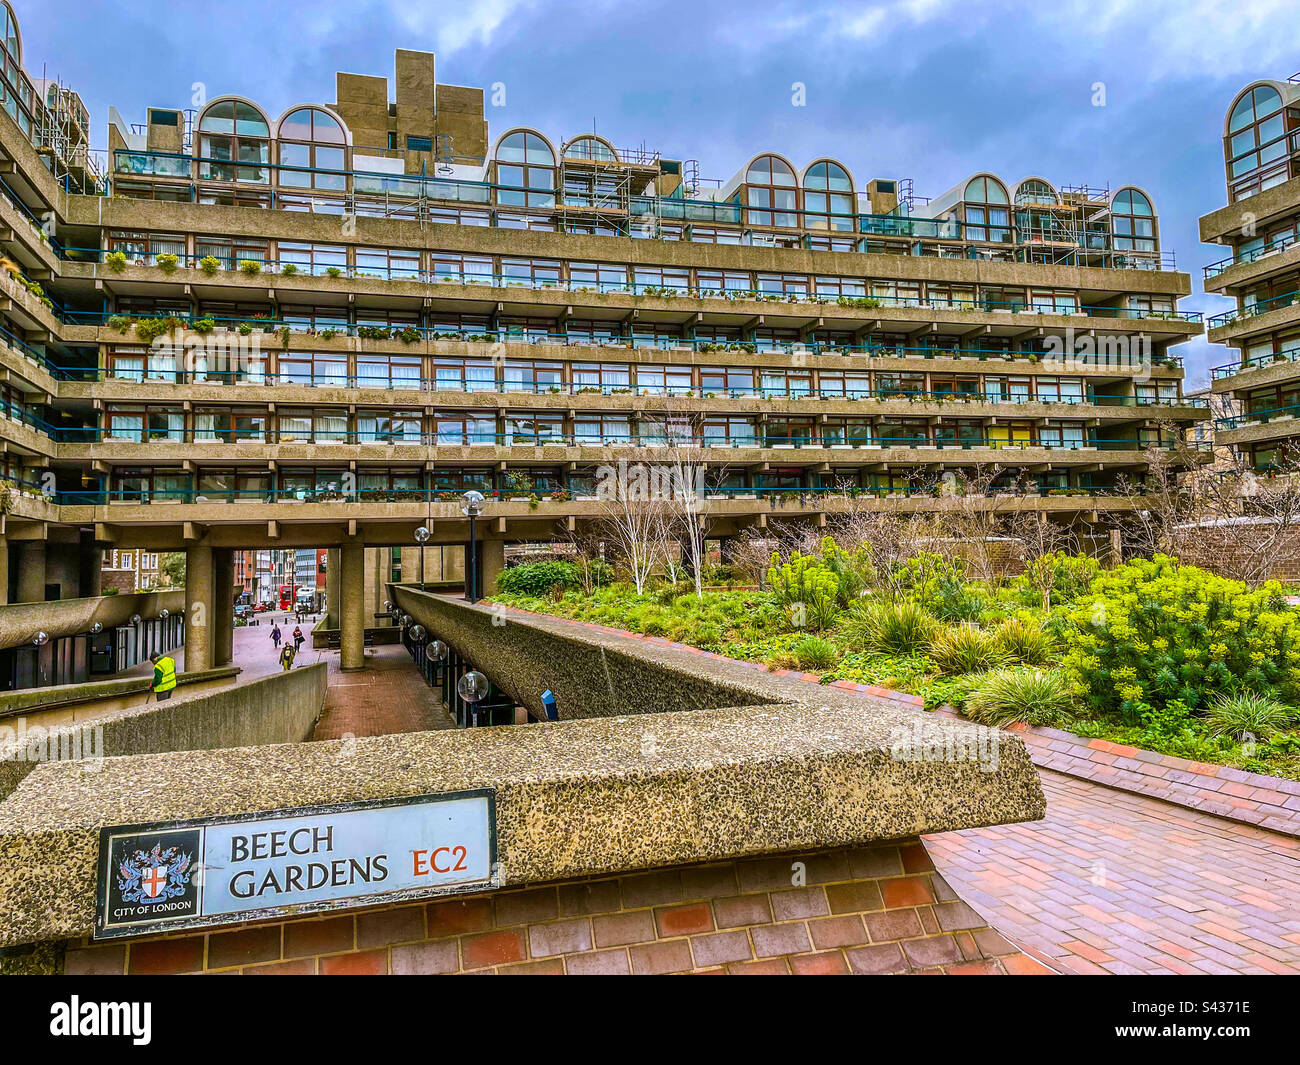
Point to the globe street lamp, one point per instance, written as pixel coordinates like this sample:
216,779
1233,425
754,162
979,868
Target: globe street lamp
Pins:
471,688
422,537
436,651
472,507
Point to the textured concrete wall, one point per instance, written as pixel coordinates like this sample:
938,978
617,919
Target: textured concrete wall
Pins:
32,699
280,708
588,680
878,909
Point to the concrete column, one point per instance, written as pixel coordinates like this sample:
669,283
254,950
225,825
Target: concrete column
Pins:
199,607
31,572
352,606
1116,547
333,588
492,561
223,607
4,570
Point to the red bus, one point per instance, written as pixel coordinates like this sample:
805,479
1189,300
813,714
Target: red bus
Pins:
286,597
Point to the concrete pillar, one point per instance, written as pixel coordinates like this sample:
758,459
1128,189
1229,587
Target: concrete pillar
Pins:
333,588
492,560
223,607
31,572
352,606
1116,547
199,612
4,570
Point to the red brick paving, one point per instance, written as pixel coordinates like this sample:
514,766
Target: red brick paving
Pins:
1113,882
388,696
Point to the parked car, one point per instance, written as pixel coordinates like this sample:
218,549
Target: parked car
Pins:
243,610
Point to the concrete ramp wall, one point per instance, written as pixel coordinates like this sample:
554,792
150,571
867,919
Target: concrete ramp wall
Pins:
280,708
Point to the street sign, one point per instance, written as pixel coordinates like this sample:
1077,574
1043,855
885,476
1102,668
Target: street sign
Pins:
183,874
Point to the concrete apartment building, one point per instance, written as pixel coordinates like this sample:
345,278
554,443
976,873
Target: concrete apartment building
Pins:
1261,226
317,327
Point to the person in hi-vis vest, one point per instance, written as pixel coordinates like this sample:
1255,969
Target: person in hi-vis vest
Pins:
164,675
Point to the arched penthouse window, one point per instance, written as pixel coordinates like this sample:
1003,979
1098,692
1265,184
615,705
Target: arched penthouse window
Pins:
828,197
234,142
312,139
1255,144
526,164
1133,222
771,194
587,147
987,210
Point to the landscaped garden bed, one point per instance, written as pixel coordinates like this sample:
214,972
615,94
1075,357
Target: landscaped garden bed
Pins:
1151,653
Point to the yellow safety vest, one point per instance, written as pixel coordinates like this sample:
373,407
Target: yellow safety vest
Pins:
167,666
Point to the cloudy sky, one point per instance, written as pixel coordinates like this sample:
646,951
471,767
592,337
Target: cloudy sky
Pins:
928,89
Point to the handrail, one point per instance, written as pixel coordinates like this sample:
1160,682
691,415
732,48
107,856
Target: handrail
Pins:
542,494
597,438
255,267
1276,245
1262,417
1231,369
509,386
1274,303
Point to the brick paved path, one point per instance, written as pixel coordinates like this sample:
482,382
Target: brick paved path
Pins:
1112,882
388,696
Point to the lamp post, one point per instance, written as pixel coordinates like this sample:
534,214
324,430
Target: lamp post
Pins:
472,508
422,537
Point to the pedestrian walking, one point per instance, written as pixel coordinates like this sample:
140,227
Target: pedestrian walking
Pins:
286,657
297,638
276,635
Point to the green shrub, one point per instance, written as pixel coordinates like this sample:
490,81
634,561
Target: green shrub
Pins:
965,648
250,267
209,264
889,628
1024,641
852,570
167,263
1006,696
116,261
1153,631
807,588
538,578
1248,715
808,653
288,269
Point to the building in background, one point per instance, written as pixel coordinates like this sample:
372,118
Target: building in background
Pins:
132,571
1260,225
522,313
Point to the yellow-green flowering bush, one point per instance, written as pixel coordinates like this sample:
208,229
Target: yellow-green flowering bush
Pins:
1153,631
808,587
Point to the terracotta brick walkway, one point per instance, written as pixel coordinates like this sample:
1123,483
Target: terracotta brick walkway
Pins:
1112,882
388,696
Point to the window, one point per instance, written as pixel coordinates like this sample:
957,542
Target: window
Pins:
391,264
529,375
771,193
389,427
598,277
464,428
466,269
234,143
388,371
601,377
987,211
419,144
315,259
1133,222
312,147
828,198
526,428
464,375
1255,147
223,424
592,148
525,171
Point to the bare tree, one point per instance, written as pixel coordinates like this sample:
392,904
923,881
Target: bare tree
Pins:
632,518
1227,518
